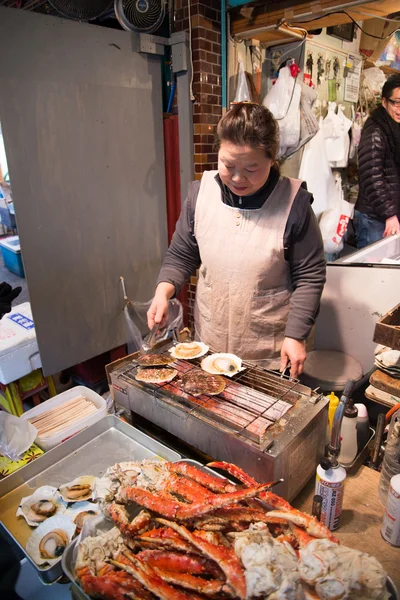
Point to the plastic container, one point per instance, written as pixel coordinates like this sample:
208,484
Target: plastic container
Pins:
330,485
391,521
11,252
363,432
332,406
348,432
79,390
391,460
19,352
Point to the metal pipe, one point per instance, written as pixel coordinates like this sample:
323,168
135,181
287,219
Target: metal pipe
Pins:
223,53
334,445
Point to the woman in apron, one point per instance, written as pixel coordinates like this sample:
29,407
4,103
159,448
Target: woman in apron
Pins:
254,239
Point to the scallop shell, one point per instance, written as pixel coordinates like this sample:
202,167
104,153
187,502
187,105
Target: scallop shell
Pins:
88,483
78,508
45,492
59,524
188,350
222,364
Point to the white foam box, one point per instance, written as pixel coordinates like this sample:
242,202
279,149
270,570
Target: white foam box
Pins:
57,401
19,352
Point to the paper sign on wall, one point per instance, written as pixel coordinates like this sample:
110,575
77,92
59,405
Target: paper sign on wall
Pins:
352,81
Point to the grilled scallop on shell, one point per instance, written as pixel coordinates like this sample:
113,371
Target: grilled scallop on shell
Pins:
188,350
79,489
155,360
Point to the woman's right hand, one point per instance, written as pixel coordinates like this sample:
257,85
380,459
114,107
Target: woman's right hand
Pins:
158,311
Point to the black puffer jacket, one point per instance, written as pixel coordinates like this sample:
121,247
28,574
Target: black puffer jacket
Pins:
378,174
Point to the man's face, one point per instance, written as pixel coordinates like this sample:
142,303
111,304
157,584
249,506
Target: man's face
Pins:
392,105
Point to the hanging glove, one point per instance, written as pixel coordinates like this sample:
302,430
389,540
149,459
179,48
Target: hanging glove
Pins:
7,296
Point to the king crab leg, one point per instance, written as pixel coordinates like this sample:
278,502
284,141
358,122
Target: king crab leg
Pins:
310,524
224,557
213,483
176,510
120,517
273,500
150,580
180,563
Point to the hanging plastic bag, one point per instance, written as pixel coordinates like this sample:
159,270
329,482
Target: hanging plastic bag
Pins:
289,126
242,89
135,314
316,172
308,122
334,221
356,129
280,95
345,128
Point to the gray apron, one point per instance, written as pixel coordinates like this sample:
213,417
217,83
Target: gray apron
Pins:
243,289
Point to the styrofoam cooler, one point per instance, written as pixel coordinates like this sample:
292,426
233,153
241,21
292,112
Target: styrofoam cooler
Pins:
19,352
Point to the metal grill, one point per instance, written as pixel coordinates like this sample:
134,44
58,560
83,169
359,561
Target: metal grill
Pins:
252,403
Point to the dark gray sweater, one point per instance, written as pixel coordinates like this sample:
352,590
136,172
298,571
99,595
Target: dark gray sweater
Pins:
302,242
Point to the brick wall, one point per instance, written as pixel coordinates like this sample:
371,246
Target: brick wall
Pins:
206,48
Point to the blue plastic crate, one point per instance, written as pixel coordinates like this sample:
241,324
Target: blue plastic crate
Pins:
11,253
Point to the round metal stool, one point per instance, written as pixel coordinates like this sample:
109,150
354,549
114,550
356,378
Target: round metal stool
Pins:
329,370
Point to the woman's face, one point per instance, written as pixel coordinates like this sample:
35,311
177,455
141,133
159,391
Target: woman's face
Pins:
393,105
243,169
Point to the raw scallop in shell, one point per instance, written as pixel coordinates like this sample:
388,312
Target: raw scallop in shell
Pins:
188,350
79,489
222,364
80,512
44,503
49,540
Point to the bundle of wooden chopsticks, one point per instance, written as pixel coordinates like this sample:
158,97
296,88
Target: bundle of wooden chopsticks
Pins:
63,416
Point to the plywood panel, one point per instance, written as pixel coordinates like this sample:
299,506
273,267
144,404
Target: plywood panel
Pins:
81,114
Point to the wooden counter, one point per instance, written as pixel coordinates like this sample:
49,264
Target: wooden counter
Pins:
361,521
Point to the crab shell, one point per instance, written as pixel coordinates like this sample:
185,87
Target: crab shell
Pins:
79,512
50,538
188,350
79,489
222,364
45,494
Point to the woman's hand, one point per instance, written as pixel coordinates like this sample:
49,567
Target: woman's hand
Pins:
392,226
158,311
295,352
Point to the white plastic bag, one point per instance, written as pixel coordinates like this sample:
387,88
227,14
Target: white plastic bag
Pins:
136,322
334,221
242,89
345,128
16,435
279,96
289,126
316,172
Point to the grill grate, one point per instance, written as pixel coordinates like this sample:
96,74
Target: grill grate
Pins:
252,402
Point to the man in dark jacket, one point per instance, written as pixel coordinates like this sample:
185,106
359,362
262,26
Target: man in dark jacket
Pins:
378,205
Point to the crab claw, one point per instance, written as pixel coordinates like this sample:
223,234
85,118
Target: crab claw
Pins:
310,524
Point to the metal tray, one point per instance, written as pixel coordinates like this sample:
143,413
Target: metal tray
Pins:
101,523
90,452
70,554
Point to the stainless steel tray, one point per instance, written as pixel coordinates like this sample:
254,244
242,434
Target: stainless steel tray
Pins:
70,554
90,452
